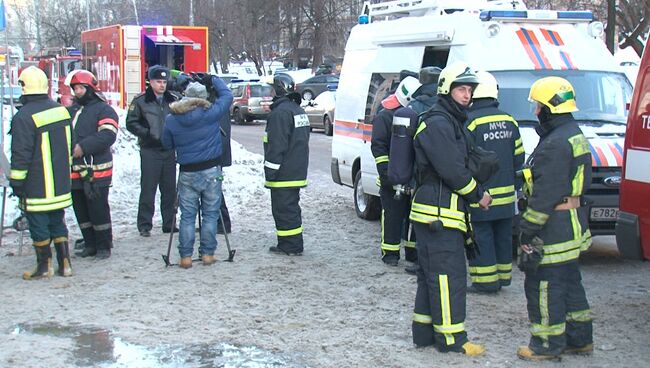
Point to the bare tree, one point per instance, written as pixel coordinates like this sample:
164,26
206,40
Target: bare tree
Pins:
633,18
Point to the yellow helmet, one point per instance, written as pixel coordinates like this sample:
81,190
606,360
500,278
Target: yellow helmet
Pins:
554,92
487,86
33,81
459,73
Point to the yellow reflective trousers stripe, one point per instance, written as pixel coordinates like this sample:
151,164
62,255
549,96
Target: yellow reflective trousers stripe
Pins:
18,174
424,319
285,184
289,232
381,159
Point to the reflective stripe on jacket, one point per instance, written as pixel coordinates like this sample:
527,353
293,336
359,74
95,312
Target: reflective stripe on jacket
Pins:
41,147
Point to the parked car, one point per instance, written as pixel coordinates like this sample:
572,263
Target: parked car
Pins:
314,86
251,100
321,111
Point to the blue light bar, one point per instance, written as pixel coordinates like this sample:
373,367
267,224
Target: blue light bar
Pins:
363,19
537,15
489,14
582,15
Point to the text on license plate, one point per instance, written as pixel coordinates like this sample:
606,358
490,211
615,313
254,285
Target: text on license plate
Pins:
603,213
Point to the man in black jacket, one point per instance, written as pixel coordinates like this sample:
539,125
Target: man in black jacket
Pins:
558,309
95,131
395,210
445,186
286,158
145,119
495,131
41,144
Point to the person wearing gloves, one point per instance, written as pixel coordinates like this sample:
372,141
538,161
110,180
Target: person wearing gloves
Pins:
145,120
95,130
193,130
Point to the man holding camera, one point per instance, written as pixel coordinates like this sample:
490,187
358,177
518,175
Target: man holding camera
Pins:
145,119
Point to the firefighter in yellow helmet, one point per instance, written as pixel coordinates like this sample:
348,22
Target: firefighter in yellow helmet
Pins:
439,212
553,227
496,131
41,150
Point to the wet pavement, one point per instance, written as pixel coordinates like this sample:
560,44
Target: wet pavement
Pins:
95,347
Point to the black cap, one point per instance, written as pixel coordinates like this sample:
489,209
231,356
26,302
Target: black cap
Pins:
158,72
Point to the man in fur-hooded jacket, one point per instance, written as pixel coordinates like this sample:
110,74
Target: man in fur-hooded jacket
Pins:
193,130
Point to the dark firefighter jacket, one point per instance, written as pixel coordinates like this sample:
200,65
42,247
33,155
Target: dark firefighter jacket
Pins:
286,144
445,185
41,148
497,131
382,125
95,130
146,117
561,167
425,99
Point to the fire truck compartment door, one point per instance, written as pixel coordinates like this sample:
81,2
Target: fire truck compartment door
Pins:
170,40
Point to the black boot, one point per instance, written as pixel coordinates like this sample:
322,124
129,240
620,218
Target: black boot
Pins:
63,258
390,257
43,264
88,251
410,254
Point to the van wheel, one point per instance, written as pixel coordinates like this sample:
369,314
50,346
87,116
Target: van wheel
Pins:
368,207
327,126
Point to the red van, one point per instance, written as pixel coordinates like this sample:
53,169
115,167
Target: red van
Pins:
633,224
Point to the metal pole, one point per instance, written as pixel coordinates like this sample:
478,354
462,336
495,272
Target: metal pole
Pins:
135,9
191,12
87,15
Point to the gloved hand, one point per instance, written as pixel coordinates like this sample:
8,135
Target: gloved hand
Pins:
530,254
18,191
471,246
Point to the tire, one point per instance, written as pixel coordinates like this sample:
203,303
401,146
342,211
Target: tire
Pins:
327,126
367,207
307,95
238,117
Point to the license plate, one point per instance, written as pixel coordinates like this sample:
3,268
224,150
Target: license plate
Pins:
603,213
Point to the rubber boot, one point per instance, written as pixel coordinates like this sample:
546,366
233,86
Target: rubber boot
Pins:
43,264
472,349
526,353
390,257
410,254
63,258
88,251
579,350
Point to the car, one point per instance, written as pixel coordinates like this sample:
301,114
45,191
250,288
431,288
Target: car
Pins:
312,87
251,100
321,111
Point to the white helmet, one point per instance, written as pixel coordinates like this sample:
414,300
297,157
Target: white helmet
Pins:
487,86
406,89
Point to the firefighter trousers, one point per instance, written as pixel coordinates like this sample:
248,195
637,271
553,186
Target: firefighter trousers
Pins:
285,206
395,224
439,312
492,268
557,309
94,218
157,170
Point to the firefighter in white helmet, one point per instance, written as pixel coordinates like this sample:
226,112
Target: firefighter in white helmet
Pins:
494,130
394,215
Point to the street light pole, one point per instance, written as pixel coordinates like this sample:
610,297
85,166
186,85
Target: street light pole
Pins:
87,14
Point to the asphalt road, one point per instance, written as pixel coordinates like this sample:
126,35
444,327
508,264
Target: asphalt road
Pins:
320,146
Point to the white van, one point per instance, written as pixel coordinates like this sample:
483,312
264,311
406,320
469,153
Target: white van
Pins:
516,45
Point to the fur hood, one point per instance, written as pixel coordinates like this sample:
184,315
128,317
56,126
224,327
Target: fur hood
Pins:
187,104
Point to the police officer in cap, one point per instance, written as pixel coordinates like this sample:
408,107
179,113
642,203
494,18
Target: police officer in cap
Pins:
145,119
286,157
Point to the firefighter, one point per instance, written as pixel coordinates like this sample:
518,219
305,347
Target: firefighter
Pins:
495,131
41,147
426,95
395,209
286,157
561,172
439,213
95,130
145,119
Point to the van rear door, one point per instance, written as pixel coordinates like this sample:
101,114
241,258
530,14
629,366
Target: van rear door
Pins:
633,224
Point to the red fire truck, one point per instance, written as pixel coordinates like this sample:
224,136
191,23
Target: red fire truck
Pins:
120,55
633,224
57,63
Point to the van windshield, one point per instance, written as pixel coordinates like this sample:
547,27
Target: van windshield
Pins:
601,96
260,91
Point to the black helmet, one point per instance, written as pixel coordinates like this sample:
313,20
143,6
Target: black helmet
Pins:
283,84
429,75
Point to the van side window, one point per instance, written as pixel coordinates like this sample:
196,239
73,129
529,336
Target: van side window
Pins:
644,95
381,86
